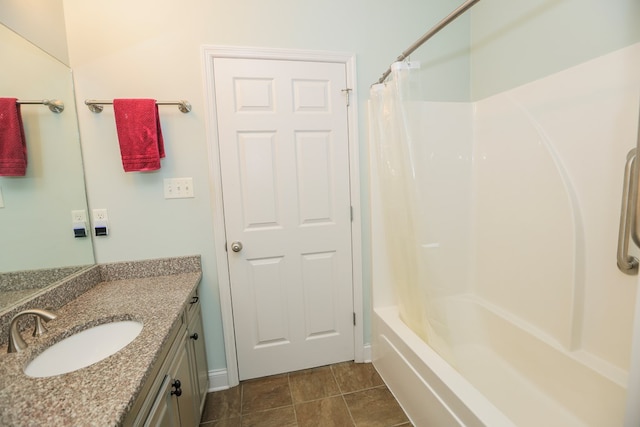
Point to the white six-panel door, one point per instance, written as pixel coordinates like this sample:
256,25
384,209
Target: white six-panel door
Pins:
284,158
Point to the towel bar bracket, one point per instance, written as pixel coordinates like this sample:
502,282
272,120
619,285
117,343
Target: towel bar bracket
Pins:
94,108
55,105
184,106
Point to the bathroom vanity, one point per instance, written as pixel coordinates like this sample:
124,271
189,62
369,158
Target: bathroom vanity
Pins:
161,377
175,392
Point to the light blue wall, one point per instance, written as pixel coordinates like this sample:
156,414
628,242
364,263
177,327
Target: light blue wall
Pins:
151,48
515,42
39,21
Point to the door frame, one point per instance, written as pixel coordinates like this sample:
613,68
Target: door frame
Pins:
210,53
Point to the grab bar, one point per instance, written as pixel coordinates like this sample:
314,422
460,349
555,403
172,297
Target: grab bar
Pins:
635,228
626,263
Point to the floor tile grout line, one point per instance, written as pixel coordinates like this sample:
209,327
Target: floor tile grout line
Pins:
335,378
293,403
318,398
353,421
366,389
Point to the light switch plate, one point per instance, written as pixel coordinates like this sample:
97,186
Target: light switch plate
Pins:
178,188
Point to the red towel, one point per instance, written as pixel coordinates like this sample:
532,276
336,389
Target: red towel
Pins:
13,147
139,134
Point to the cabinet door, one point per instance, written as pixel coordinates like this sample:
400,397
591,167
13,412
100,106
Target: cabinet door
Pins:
164,412
199,357
187,402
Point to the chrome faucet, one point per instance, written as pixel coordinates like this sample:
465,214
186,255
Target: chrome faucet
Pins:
16,342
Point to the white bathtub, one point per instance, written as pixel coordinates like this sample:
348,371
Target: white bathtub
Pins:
498,380
510,243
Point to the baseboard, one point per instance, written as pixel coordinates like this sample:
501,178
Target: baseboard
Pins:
366,353
218,380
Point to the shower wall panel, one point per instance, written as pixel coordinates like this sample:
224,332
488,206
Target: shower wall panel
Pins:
548,166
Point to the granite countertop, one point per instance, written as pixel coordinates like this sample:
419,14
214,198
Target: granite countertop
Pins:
103,393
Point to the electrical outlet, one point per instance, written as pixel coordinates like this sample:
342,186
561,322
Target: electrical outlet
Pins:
100,222
79,220
78,216
178,188
100,215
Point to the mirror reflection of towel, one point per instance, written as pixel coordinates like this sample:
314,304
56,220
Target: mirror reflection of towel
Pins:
13,147
139,134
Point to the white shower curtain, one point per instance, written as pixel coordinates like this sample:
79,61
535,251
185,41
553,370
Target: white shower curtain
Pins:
395,140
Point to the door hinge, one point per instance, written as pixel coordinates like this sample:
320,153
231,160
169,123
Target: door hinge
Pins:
354,318
347,91
351,212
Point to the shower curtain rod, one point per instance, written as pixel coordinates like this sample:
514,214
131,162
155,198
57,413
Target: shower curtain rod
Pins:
432,32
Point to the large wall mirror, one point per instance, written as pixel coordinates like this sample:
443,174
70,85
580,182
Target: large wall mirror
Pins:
37,243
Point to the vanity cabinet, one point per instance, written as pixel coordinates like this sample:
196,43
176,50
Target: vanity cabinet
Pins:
174,405
174,395
198,352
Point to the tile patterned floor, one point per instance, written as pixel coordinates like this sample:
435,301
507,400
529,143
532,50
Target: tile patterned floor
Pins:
340,395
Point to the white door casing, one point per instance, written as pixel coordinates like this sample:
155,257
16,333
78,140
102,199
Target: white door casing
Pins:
297,279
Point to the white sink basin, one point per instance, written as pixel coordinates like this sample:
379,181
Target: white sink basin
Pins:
83,349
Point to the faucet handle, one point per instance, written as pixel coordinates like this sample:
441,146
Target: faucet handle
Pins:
39,328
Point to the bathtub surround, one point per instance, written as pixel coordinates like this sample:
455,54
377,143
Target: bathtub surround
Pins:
515,255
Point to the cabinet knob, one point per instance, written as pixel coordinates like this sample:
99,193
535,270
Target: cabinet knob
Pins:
178,391
194,336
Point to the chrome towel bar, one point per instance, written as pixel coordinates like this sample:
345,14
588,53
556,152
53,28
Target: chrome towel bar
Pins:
95,105
55,105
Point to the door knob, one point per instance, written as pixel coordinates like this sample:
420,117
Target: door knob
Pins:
236,246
